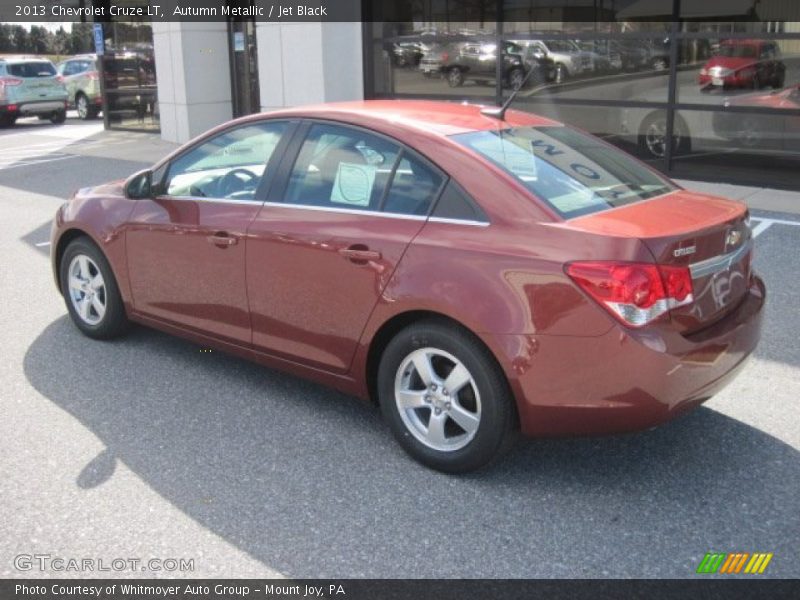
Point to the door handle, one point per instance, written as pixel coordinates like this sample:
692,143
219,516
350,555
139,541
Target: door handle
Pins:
359,254
222,239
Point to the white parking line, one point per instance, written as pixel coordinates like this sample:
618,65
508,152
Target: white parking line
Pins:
764,224
42,244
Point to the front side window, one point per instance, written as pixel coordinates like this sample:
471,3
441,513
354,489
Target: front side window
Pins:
229,166
574,173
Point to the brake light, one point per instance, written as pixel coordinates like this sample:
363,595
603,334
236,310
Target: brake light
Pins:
93,75
60,78
445,57
634,293
10,81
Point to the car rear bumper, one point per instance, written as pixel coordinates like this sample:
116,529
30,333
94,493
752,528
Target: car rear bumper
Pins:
626,380
24,109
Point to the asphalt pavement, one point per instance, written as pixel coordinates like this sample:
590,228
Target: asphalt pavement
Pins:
147,447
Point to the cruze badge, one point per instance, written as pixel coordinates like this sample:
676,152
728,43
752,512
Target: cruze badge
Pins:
733,237
684,251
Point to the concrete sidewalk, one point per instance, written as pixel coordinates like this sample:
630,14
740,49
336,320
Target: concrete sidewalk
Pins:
759,198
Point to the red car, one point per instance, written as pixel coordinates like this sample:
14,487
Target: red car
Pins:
744,64
473,274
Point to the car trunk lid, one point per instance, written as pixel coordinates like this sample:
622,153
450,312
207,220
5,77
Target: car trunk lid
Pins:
709,235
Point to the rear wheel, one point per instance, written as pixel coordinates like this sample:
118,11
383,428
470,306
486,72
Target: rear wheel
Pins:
653,136
58,117
90,291
85,110
445,398
7,120
455,78
562,74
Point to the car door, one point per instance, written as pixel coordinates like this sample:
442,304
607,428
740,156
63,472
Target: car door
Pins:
325,245
186,245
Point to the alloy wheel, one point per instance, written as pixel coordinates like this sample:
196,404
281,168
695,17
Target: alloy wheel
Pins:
87,289
656,138
438,399
83,107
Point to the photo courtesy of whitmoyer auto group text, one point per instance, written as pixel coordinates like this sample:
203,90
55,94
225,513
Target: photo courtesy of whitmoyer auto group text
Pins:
400,299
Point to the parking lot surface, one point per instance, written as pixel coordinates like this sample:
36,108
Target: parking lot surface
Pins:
147,447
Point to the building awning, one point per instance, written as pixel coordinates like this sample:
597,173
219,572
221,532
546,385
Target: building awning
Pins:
690,9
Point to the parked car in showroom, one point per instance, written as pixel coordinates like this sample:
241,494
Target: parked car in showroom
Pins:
744,64
756,132
81,76
475,271
567,57
30,87
477,61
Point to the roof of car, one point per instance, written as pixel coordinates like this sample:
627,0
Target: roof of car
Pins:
441,118
24,58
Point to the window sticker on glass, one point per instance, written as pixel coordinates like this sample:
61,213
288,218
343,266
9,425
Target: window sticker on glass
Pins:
353,184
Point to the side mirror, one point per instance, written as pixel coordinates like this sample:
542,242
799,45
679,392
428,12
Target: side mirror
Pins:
139,185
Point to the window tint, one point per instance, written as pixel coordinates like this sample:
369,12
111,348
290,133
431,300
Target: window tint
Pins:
414,188
230,165
339,167
32,69
455,203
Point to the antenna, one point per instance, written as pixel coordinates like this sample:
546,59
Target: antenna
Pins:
500,113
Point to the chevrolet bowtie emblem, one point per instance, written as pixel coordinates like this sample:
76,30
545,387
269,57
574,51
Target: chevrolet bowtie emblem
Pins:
733,237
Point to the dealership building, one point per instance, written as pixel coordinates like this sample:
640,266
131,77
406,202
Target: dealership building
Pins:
702,89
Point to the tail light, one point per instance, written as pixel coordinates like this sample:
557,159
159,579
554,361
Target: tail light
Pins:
634,293
10,81
445,57
60,78
93,75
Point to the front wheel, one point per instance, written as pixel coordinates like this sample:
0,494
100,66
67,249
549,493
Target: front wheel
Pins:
445,398
455,78
90,291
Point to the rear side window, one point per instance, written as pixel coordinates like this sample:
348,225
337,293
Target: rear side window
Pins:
455,203
31,69
574,173
414,188
340,167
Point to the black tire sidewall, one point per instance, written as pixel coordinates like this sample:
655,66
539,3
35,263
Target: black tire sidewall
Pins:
115,320
497,411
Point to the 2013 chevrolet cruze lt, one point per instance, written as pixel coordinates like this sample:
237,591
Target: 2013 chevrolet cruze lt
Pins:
476,274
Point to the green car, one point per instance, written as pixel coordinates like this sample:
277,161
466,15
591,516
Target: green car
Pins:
31,87
82,78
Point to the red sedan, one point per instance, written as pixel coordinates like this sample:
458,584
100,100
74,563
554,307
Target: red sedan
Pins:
744,64
473,273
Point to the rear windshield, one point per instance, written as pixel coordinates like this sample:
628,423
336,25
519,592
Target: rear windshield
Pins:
31,69
576,174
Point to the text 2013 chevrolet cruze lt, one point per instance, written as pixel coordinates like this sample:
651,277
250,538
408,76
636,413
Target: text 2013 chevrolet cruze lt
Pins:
474,273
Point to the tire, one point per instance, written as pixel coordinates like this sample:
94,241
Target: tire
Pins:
58,117
80,265
515,78
652,136
483,404
777,81
85,109
7,121
455,78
